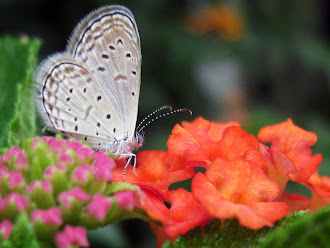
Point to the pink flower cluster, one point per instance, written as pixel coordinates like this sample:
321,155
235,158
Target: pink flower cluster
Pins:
63,185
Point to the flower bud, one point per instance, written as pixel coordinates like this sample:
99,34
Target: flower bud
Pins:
5,229
72,236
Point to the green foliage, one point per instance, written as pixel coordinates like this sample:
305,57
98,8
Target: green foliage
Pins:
215,234
17,64
22,235
301,229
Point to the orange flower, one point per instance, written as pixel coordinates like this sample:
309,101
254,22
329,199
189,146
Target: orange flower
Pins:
223,19
202,141
238,189
244,179
291,150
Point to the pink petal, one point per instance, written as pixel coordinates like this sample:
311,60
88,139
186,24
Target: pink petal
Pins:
15,180
102,172
51,216
20,202
65,158
5,228
44,185
84,154
100,158
125,199
76,193
80,174
49,172
3,171
99,207
21,161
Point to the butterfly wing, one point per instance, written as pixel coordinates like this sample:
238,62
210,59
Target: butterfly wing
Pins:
107,42
71,101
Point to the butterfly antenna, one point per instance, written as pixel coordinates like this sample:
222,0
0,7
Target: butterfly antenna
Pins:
152,114
183,110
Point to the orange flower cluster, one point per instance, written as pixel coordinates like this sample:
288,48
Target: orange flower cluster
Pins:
222,19
244,178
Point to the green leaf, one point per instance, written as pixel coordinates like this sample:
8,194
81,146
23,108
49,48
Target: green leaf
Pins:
119,186
302,230
22,234
17,64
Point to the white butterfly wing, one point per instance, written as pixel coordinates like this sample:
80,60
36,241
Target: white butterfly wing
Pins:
107,42
69,100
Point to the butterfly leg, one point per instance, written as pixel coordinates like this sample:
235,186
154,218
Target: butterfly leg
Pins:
129,159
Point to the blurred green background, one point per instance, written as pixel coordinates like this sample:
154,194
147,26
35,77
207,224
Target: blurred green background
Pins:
256,62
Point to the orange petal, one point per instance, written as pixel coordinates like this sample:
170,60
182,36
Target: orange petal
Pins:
216,129
177,171
278,166
255,157
155,167
197,142
241,181
183,143
261,214
320,185
235,142
306,168
186,213
295,144
192,141
151,166
295,202
320,191
154,206
252,216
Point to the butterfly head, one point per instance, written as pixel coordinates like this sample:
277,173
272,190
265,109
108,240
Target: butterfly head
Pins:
124,147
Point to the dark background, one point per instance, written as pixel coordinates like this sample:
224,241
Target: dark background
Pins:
257,62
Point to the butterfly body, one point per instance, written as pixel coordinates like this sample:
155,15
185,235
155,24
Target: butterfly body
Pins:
91,90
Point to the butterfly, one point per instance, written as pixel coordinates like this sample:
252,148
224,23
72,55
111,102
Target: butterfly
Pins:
91,90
